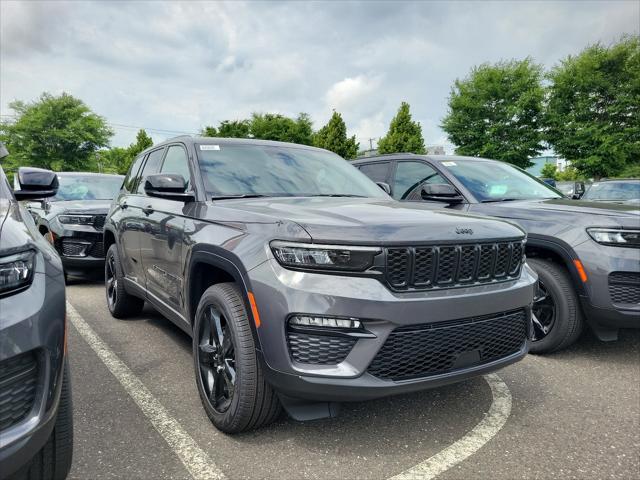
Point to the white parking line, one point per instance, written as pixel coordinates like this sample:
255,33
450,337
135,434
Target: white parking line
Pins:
197,462
472,442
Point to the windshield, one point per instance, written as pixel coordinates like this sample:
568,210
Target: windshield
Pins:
238,170
613,191
498,181
87,187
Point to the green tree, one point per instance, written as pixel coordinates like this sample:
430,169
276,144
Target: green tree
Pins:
549,170
272,126
593,112
118,159
497,112
333,136
60,133
209,131
404,134
143,141
234,129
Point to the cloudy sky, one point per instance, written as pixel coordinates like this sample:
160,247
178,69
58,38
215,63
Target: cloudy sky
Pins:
173,67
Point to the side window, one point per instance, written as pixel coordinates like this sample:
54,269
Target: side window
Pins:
409,175
130,179
176,161
378,172
150,167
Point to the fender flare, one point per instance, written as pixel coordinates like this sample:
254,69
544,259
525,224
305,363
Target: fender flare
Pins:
564,251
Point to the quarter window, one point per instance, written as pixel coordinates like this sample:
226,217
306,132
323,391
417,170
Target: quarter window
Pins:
410,175
378,172
132,176
150,167
176,162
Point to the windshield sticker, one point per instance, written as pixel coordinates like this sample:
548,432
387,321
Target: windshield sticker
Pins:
449,164
209,147
497,190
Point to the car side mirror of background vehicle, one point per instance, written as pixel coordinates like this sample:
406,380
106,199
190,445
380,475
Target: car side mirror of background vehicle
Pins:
441,192
578,190
170,186
35,183
385,187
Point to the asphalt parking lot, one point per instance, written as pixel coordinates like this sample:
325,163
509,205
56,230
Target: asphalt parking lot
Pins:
575,414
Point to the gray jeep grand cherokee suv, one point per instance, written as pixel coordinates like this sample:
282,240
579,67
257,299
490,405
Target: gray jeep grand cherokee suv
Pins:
303,284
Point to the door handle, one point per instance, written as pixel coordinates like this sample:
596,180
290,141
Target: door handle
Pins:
148,210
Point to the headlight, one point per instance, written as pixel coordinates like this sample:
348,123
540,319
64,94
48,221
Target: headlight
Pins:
16,271
76,219
616,237
324,257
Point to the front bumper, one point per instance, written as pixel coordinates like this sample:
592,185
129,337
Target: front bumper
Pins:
33,321
602,306
279,292
80,248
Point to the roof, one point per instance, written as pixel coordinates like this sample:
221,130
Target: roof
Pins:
437,158
192,140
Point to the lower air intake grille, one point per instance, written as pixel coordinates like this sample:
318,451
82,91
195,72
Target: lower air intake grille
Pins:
74,249
624,287
18,386
431,349
96,250
319,349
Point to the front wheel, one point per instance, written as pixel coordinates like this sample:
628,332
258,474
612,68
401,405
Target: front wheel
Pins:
556,314
229,377
121,304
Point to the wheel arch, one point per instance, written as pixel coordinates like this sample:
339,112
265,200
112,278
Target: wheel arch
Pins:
209,266
559,252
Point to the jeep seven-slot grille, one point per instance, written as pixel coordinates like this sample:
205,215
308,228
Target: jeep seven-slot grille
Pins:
452,265
624,287
18,386
431,349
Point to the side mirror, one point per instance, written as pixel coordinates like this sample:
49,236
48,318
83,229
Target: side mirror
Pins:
168,185
385,187
578,190
35,183
441,192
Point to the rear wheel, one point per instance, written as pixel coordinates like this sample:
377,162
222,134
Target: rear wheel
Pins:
53,462
556,313
229,377
121,304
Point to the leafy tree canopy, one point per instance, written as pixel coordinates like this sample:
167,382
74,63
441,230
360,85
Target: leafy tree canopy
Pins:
59,133
404,134
333,136
270,126
593,113
549,170
118,159
497,112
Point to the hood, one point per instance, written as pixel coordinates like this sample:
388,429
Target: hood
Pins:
80,206
564,210
369,220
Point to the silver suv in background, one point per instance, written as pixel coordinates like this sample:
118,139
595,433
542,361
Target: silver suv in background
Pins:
586,254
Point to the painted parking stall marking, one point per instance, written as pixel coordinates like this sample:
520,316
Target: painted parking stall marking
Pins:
472,442
196,461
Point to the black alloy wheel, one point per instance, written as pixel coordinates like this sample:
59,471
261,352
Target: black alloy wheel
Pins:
111,281
543,313
216,359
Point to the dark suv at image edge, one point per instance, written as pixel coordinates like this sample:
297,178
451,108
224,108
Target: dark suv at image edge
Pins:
303,284
36,425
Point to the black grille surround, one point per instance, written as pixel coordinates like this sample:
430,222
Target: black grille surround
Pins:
447,266
316,349
18,388
423,350
624,287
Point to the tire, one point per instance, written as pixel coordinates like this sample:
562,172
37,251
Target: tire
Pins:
53,461
568,322
252,403
121,304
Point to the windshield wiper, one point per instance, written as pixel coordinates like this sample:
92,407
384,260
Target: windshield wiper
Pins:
336,195
244,195
501,200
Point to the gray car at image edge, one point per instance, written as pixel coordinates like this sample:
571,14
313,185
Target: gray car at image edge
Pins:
303,284
36,424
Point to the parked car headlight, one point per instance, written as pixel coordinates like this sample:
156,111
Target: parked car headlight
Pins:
324,257
16,271
76,219
615,237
